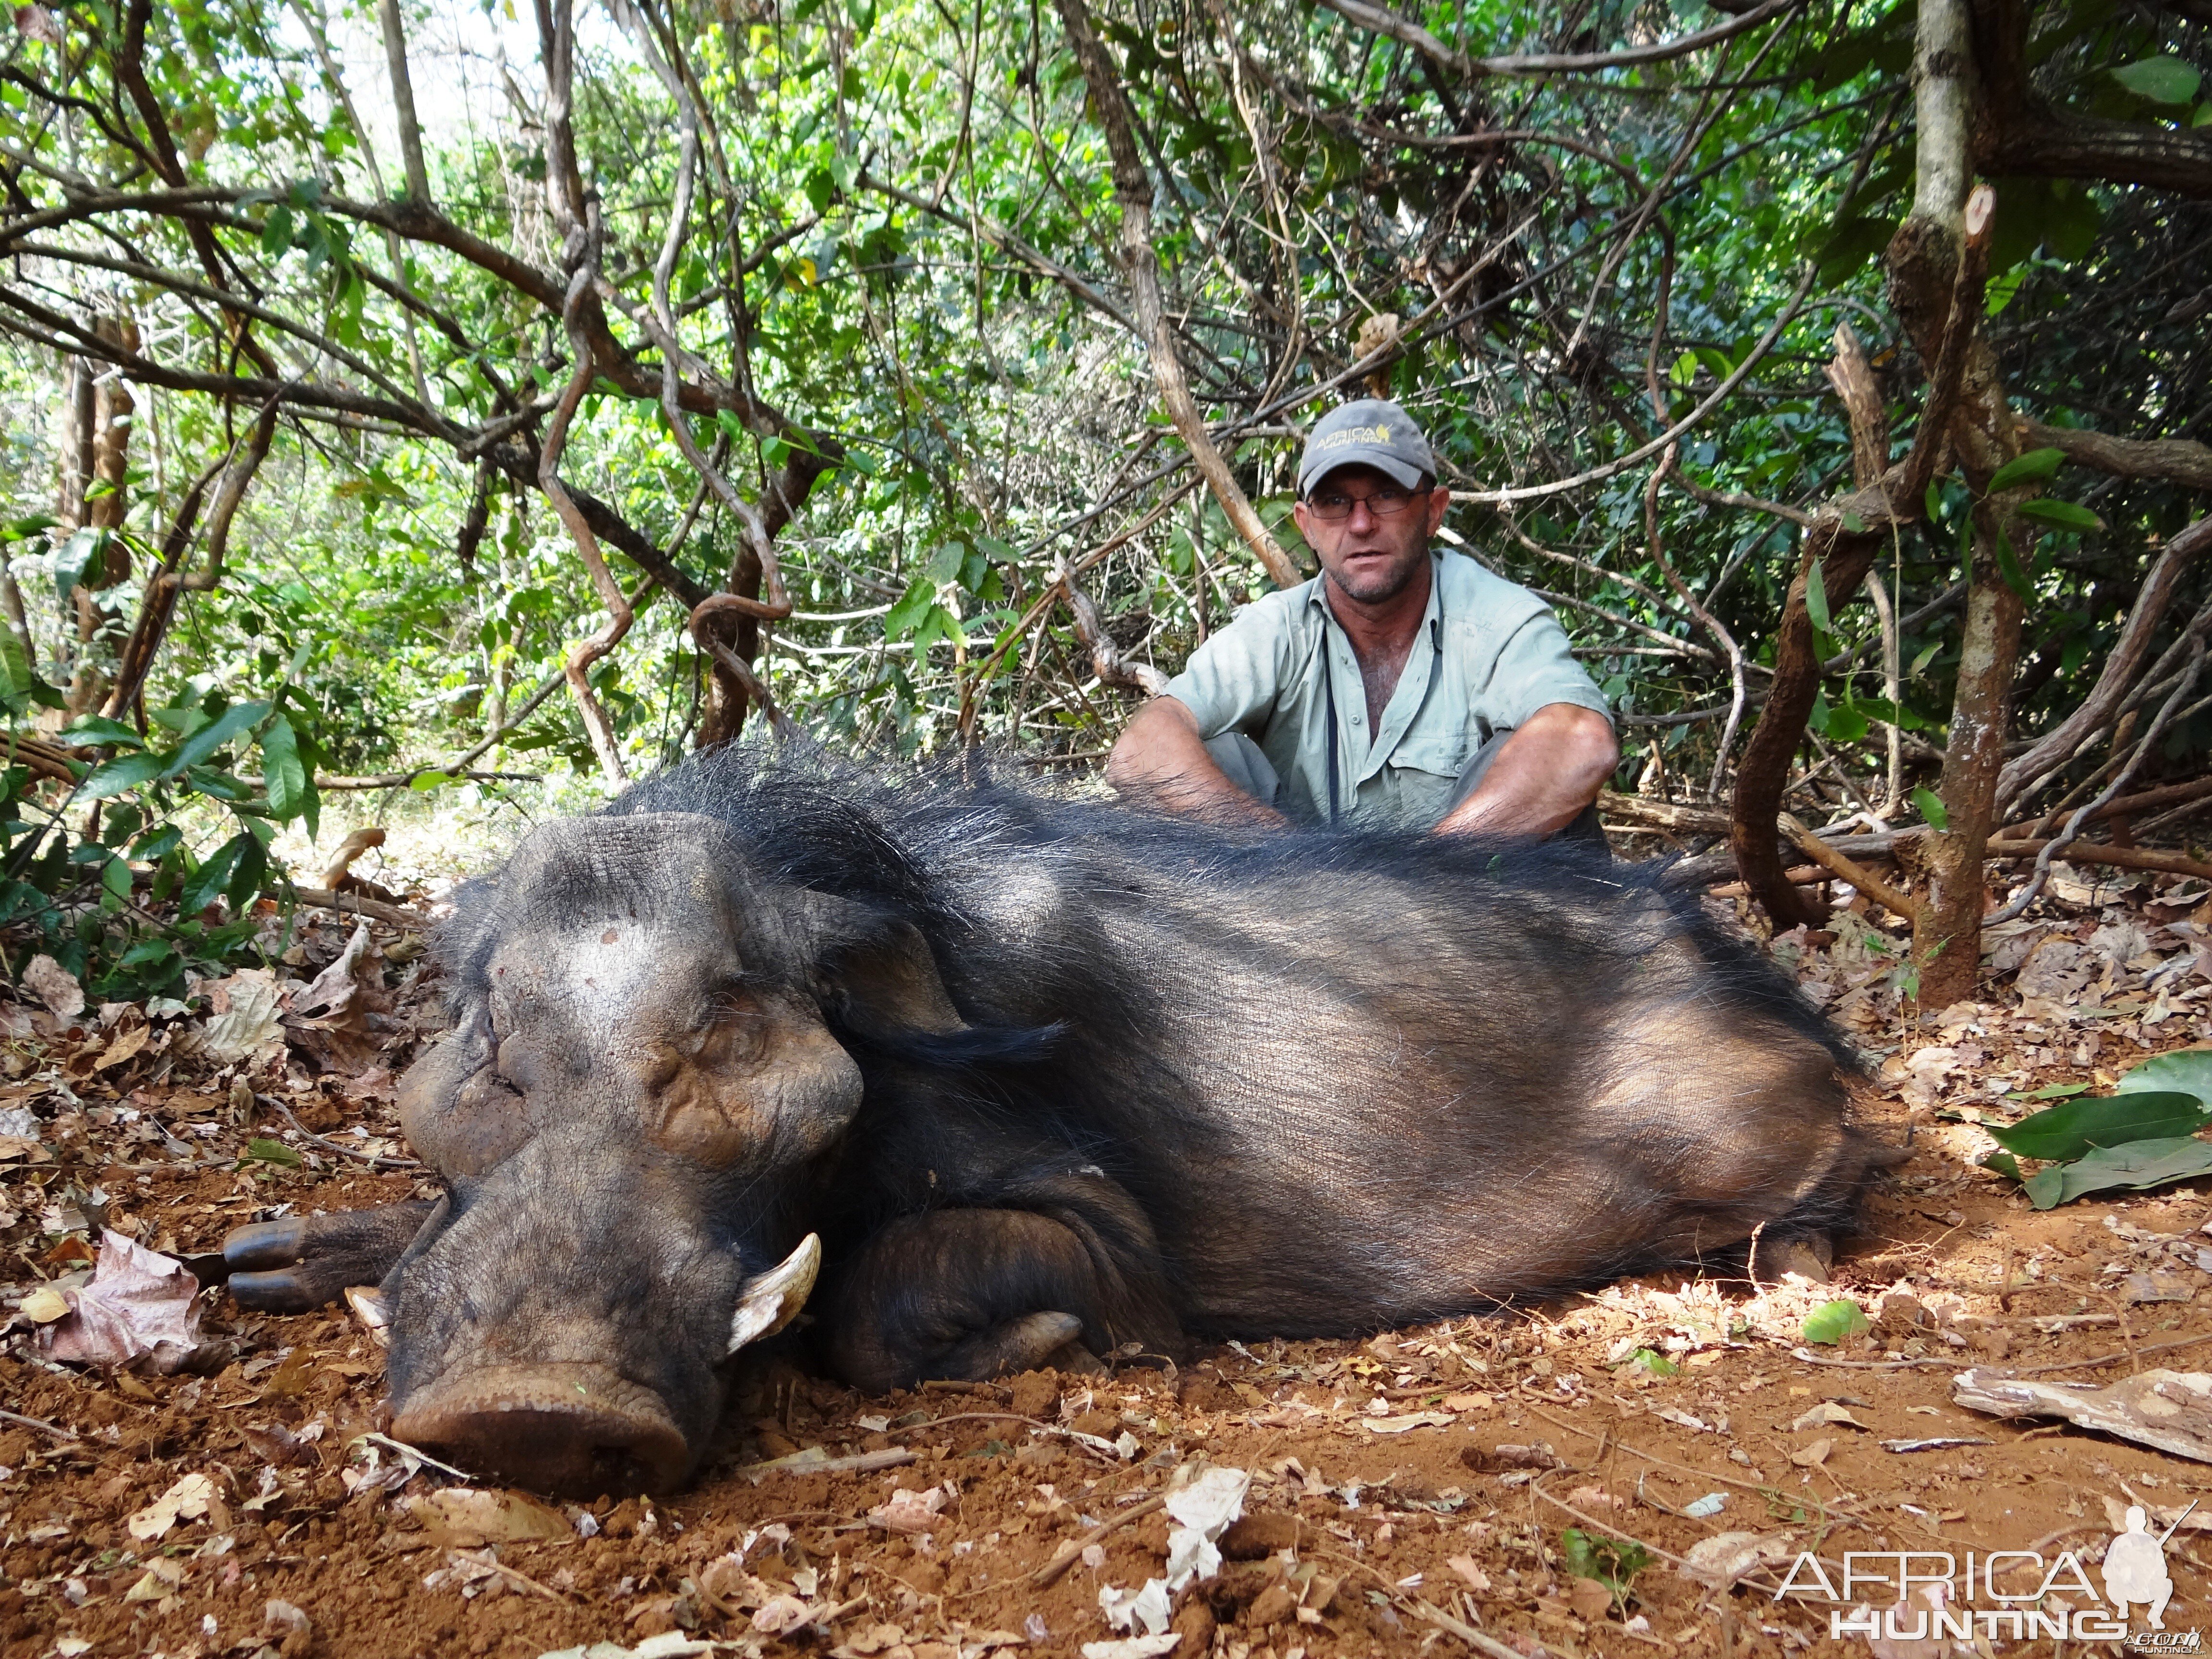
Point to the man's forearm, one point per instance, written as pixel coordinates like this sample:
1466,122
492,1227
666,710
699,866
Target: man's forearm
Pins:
1161,761
1545,774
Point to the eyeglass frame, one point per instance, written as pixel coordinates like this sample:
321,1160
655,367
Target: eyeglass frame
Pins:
1312,504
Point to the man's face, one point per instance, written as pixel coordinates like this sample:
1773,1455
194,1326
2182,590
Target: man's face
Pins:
1370,557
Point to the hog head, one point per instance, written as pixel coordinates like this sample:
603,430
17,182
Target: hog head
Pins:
640,1100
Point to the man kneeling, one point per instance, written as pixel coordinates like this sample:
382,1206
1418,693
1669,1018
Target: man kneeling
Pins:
1403,685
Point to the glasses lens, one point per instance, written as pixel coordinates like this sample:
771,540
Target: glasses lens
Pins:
1385,503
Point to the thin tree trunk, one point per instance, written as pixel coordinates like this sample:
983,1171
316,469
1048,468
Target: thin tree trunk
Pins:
403,104
1133,188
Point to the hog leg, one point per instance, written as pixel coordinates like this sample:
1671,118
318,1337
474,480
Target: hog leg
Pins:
302,1261
975,1293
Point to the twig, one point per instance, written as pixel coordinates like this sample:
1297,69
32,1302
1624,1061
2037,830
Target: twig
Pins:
1066,1556
1811,1358
352,904
1467,1633
2111,1358
53,1428
459,1557
1092,1443
375,1160
417,1454
885,1457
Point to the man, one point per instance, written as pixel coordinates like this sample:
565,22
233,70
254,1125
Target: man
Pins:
1401,686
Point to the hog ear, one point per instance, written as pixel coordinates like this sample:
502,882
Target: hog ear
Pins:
873,971
875,978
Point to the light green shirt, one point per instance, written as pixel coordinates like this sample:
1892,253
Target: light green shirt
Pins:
1488,656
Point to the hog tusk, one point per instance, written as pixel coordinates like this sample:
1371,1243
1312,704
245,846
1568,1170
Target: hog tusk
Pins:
374,1313
772,1301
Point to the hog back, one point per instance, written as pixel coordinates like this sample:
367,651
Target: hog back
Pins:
1351,1080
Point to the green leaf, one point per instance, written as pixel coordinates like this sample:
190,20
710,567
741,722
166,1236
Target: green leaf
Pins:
2008,568
1612,1562
2005,1164
124,772
2033,467
424,782
2162,80
157,844
944,564
1831,1321
2185,1071
201,887
1816,598
1651,1360
1846,724
262,1150
1931,809
912,605
2062,515
282,773
2060,1091
80,553
98,728
276,232
239,717
2075,1128
2131,1168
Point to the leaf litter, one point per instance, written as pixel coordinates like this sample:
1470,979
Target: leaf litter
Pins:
1394,1490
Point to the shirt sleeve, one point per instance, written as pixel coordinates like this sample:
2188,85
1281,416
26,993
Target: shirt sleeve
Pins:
1536,667
1232,681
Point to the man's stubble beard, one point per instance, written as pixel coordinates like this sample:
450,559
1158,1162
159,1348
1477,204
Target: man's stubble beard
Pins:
1393,585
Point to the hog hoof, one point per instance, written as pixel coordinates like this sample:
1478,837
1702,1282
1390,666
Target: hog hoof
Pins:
1774,1260
1019,1344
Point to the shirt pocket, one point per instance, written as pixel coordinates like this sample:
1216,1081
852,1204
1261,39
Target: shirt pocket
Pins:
1435,755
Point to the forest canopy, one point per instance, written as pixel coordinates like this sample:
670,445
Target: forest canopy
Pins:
422,396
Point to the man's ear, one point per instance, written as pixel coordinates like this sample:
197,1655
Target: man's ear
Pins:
871,971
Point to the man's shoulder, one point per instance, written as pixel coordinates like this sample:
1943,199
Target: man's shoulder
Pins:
1480,602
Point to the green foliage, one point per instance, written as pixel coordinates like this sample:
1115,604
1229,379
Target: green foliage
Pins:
2141,1137
1832,1322
1612,1562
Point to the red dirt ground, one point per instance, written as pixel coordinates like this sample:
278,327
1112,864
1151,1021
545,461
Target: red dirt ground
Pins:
1382,1518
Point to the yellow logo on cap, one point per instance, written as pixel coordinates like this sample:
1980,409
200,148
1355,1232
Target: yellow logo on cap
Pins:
1355,435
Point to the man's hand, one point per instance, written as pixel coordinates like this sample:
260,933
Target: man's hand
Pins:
1161,762
1547,773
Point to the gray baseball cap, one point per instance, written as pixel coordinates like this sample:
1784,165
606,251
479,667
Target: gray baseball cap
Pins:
1370,432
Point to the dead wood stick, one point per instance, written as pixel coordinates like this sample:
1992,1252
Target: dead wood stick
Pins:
2124,858
1467,1633
885,1457
350,904
375,1160
1843,868
1066,1556
39,1423
1092,1443
457,1557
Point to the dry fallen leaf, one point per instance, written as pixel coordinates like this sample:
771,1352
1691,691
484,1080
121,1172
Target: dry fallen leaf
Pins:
782,1615
1805,1457
245,1018
1717,1562
139,1304
341,1016
2170,1410
908,1511
55,986
123,1045
465,1518
187,1500
1464,1565
1825,1413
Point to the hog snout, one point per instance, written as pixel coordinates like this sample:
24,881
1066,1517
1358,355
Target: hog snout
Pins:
577,1430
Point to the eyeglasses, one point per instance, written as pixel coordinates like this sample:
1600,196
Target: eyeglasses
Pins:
1386,502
